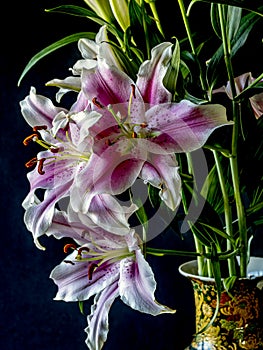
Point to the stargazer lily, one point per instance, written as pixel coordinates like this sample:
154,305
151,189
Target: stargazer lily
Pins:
68,149
241,82
140,130
104,264
90,50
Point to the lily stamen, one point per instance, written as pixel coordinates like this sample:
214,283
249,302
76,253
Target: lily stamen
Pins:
54,150
40,127
33,137
133,90
97,103
91,269
69,246
40,166
80,250
31,162
143,125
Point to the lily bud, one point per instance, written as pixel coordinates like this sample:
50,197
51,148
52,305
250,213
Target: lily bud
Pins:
102,9
121,12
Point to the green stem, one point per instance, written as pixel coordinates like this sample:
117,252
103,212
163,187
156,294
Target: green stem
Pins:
162,252
227,211
209,271
198,245
234,159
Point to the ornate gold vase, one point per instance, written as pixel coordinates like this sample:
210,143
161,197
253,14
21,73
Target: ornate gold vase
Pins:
239,321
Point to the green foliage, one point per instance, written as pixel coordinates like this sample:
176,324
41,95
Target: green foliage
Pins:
237,38
250,5
53,47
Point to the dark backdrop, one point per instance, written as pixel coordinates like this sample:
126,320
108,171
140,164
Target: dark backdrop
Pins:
29,317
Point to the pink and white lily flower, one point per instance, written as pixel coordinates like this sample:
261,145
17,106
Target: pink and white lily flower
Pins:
90,50
140,130
241,82
107,265
68,149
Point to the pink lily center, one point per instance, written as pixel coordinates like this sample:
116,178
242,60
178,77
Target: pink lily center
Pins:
124,118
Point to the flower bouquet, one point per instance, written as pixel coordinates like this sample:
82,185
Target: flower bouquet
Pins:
151,124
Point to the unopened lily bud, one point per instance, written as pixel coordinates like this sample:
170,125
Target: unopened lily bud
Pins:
121,12
102,9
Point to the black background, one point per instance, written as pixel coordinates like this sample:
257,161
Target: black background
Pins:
29,317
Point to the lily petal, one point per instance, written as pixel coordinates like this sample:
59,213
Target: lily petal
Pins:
162,171
107,84
109,173
38,215
73,282
257,105
151,74
184,126
98,325
137,286
108,213
38,109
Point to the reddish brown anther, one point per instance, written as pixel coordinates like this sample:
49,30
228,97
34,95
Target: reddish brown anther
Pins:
91,269
39,127
66,127
143,125
97,103
134,135
29,139
85,249
54,150
109,142
31,162
133,90
69,246
40,166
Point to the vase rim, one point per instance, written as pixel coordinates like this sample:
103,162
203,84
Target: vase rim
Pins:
190,269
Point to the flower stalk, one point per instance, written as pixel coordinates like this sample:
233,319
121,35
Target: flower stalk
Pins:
227,211
241,217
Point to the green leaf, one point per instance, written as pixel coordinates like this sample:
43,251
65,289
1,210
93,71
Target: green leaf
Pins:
154,196
141,214
53,47
83,12
228,283
220,233
215,20
233,21
250,5
205,236
74,10
214,69
246,25
81,307
170,79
